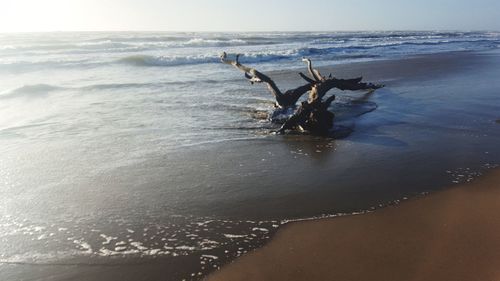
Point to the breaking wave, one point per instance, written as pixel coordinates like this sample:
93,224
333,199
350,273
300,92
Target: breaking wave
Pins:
148,60
177,49
29,91
336,52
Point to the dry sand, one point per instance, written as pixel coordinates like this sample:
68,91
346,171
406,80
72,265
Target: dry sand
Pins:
449,235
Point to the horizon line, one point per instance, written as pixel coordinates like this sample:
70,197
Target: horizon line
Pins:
255,31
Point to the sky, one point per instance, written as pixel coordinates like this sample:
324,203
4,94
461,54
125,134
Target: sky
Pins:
248,15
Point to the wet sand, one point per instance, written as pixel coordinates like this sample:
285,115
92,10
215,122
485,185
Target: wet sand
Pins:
448,235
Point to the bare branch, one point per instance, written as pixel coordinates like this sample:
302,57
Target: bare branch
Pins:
253,75
313,72
317,87
344,84
309,80
291,97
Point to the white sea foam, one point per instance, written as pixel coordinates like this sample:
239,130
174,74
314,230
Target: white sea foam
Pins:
34,257
107,239
185,248
227,235
213,42
325,216
139,246
260,229
210,257
83,245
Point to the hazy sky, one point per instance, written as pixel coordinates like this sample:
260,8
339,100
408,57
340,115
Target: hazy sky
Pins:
248,15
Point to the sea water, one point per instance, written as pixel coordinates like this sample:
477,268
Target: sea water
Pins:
116,147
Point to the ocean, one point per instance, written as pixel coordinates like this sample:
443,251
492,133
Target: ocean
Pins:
123,149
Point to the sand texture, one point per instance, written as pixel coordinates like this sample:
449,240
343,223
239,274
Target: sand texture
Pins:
449,235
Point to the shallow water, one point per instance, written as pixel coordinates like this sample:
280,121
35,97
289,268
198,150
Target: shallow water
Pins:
132,149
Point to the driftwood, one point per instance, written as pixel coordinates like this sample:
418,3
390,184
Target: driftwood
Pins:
312,115
286,99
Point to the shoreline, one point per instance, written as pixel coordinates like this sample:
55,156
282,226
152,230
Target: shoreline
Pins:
282,187
447,235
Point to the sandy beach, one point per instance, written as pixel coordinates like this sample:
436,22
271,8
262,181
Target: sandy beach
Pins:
449,235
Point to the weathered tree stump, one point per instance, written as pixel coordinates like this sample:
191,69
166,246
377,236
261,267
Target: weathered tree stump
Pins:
312,115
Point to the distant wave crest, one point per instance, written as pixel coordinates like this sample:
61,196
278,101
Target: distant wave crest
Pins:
29,91
148,60
179,49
